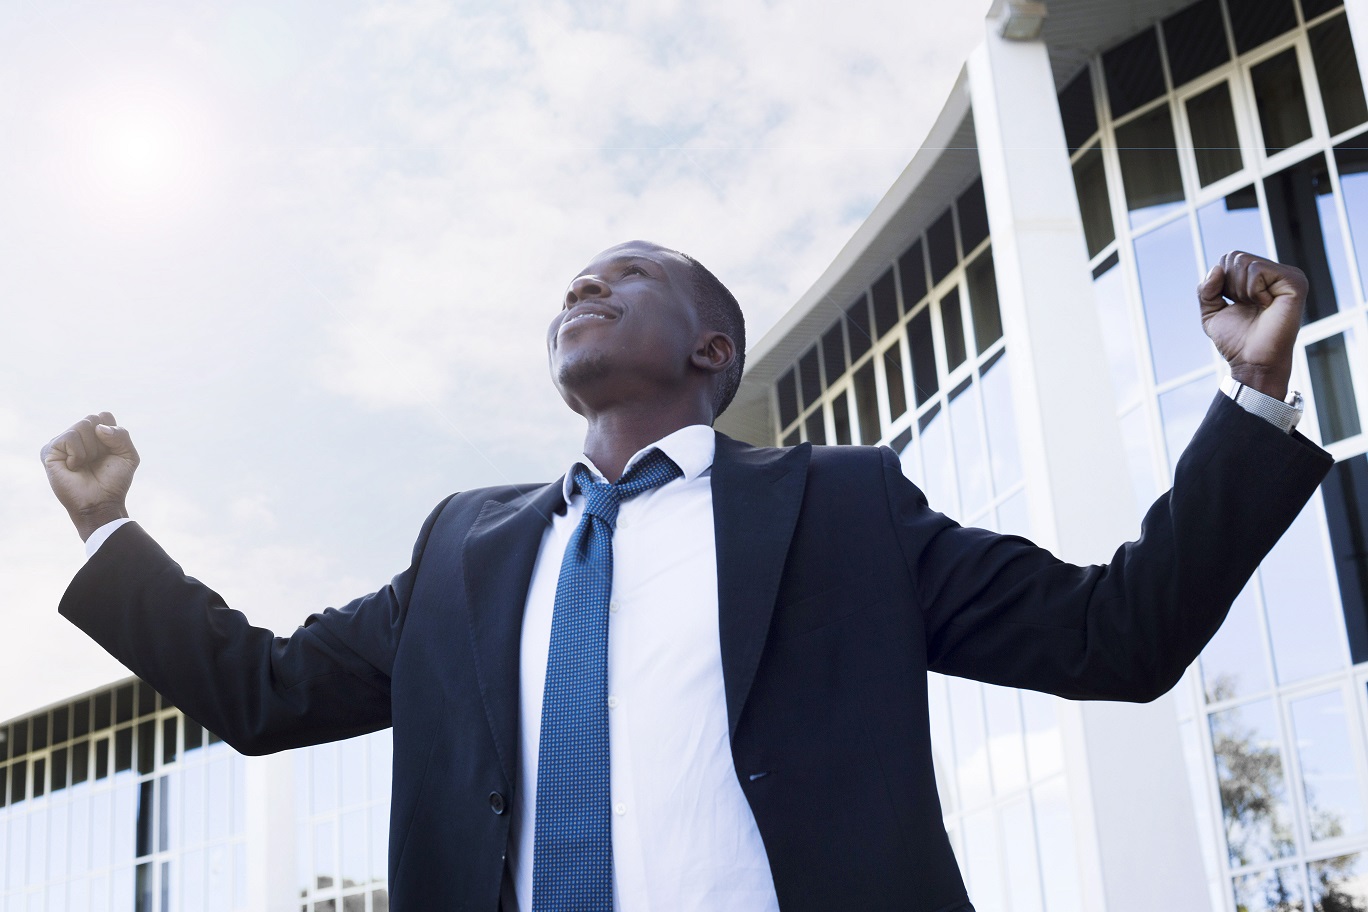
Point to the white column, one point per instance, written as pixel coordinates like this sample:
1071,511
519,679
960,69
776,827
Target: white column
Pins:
1136,829
271,839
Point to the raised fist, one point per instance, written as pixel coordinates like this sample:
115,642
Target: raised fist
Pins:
90,467
1252,309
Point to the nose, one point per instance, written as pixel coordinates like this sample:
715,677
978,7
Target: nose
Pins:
586,286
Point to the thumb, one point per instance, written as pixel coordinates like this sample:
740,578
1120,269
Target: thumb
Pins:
1209,291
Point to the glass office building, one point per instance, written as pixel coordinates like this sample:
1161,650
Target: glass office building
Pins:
1017,320
1039,367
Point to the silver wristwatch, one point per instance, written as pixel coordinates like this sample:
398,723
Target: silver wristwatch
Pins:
1284,415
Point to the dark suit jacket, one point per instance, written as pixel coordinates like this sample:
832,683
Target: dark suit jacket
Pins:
838,589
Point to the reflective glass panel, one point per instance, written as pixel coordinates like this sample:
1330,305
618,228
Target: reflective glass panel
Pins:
924,382
815,427
1303,622
970,460
1006,747
981,280
981,848
1332,383
1000,418
1330,784
1341,87
1313,8
1339,884
939,465
1135,438
1231,223
1113,313
1195,41
1249,771
1233,663
787,394
1134,73
940,245
1346,512
952,329
1215,142
1281,101
971,744
1257,21
1013,516
858,328
1353,173
1058,851
1278,890
1182,410
1149,166
1023,865
1168,275
867,404
1094,202
1301,210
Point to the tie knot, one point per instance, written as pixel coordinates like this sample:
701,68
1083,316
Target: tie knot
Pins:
602,499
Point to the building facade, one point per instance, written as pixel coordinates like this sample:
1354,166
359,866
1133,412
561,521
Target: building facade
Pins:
1017,320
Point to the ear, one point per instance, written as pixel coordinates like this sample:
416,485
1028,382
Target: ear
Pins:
714,353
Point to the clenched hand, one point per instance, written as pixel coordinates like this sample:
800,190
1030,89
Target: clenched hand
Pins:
90,467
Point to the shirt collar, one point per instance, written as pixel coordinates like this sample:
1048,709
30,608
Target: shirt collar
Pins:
692,448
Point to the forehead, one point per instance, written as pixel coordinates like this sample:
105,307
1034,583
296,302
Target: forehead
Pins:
637,251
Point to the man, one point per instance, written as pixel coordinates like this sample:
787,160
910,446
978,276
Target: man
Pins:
710,694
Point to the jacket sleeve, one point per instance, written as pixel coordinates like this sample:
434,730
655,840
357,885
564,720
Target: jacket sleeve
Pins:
999,609
259,692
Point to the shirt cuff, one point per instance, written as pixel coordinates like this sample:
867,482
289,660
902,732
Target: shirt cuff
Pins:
1282,415
100,535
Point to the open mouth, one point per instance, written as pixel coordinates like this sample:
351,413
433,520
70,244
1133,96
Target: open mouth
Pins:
583,316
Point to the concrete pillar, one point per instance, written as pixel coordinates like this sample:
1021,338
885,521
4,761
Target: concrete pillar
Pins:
271,838
1136,829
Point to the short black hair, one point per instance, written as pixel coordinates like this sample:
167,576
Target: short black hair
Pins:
718,310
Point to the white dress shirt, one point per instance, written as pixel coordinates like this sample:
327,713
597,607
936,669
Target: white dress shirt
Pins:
684,837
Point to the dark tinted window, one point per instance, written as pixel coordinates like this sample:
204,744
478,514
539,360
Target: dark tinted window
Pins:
1134,75
18,773
1077,111
1195,40
102,710
1332,383
810,377
840,415
1345,491
123,704
1149,165
787,394
1313,8
1257,21
867,403
924,383
940,244
973,216
1215,143
816,428
1337,71
38,731
1294,210
952,326
858,328
885,297
897,389
61,724
983,300
1281,102
912,273
833,350
1094,202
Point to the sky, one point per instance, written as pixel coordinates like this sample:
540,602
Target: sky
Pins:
306,252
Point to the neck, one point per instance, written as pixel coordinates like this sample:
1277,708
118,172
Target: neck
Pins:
614,436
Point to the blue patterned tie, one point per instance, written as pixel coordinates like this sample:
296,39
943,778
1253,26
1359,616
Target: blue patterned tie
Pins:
572,867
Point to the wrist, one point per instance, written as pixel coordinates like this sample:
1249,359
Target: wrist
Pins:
91,518
1271,381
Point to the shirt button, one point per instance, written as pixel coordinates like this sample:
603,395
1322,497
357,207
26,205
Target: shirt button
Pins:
619,809
612,702
496,802
613,606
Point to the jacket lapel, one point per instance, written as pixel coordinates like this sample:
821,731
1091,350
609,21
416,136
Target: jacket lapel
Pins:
499,555
757,494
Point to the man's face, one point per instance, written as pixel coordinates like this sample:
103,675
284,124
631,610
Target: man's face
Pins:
627,324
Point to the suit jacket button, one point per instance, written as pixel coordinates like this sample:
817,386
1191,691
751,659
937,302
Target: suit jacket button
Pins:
497,803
